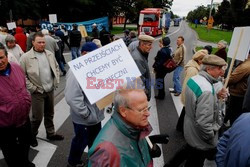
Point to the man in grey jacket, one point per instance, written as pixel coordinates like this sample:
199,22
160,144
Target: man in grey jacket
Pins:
86,118
202,121
140,56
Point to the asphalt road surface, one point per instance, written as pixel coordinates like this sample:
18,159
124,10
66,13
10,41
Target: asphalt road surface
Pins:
164,114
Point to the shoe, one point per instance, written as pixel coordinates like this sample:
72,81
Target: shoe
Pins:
159,97
55,137
77,165
172,91
64,73
177,94
33,142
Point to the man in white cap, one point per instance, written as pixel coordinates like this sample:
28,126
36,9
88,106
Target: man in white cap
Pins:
202,121
140,56
95,32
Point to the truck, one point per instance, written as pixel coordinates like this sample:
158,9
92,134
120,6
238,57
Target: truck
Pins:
154,21
177,21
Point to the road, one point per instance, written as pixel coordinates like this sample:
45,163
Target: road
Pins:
163,117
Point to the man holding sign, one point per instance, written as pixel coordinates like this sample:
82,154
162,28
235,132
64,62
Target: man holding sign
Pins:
140,56
86,118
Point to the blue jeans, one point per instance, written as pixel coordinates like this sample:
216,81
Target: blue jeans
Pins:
75,52
176,79
84,135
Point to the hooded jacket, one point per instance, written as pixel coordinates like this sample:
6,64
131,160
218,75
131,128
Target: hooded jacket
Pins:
21,38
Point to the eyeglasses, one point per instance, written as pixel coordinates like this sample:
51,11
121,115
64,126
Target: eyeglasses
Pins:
140,111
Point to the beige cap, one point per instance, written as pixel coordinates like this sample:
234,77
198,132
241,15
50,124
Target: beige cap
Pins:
200,54
213,60
146,38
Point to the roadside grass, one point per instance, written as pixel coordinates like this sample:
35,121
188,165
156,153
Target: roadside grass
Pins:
213,35
119,30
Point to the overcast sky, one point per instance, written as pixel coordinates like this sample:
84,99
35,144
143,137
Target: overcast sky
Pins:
182,7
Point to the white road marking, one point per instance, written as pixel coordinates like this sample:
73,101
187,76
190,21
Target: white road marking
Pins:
177,102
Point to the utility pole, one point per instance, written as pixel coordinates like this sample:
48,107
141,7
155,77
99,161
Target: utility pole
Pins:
11,16
211,7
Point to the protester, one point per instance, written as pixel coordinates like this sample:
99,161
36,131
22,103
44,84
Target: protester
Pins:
132,37
75,38
201,122
237,88
58,53
179,58
209,48
66,36
97,42
104,36
13,48
221,52
21,38
95,32
191,69
86,118
160,71
140,56
3,35
126,37
42,77
121,142
233,147
32,31
14,113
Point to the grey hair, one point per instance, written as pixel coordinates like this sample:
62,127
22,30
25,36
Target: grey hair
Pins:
10,38
224,43
120,97
204,67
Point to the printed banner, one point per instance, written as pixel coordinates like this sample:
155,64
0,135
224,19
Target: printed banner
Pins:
103,21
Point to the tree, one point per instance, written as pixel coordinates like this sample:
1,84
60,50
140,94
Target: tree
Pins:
198,13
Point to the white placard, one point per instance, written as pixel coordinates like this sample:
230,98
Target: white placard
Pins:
52,18
243,43
11,25
101,71
141,19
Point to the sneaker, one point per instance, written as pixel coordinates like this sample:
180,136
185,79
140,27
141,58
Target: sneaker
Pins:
172,91
55,137
64,73
177,94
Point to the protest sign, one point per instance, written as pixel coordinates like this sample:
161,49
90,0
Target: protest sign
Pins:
102,71
52,18
240,44
11,25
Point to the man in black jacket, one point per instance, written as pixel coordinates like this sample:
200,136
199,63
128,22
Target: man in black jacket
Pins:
75,38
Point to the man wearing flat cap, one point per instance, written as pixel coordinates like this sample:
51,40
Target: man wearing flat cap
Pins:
202,121
140,56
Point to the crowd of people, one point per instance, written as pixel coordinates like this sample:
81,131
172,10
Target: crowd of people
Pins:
30,72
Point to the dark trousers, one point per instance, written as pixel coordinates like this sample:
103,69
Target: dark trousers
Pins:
180,122
84,136
193,157
159,82
15,144
42,107
234,108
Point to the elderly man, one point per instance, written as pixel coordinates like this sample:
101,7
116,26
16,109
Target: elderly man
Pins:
201,122
140,56
122,141
42,77
179,58
221,52
15,102
12,47
86,118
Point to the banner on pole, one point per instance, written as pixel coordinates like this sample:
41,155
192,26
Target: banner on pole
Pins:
104,70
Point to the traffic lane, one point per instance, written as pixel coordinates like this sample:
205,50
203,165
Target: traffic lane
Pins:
167,113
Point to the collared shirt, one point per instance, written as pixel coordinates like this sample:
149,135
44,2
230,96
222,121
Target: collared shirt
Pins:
6,72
